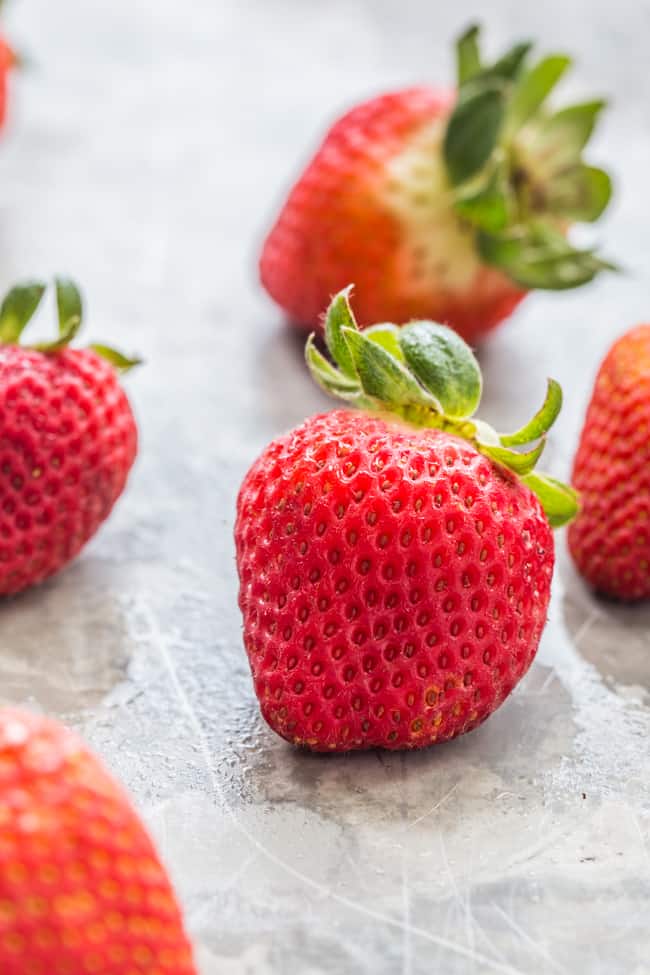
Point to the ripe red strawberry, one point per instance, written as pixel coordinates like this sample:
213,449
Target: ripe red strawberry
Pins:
610,538
395,568
67,440
442,205
7,61
81,887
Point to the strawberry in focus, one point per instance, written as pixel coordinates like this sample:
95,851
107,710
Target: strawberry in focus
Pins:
610,538
67,439
440,204
81,887
395,561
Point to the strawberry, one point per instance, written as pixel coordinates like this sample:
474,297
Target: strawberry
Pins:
81,887
440,204
67,439
395,561
610,538
7,62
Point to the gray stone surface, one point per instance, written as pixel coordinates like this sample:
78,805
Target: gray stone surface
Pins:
149,143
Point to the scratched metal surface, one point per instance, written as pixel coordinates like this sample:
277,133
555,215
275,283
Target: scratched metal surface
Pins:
149,143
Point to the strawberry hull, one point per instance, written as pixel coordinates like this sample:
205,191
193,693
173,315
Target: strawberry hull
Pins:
394,583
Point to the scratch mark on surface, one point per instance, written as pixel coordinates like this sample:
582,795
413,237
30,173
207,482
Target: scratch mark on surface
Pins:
407,956
434,808
586,626
463,903
550,677
233,880
637,826
537,948
490,964
407,966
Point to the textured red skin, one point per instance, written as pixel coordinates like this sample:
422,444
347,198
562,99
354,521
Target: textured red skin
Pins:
82,890
393,583
610,538
334,229
67,442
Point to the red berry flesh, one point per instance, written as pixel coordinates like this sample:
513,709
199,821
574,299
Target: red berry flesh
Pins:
67,442
394,583
610,538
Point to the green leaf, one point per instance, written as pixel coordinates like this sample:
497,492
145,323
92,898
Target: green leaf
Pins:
468,57
539,257
533,88
541,423
519,463
18,308
387,335
445,365
559,140
473,132
489,207
69,307
339,316
559,501
328,378
507,67
121,362
580,193
382,376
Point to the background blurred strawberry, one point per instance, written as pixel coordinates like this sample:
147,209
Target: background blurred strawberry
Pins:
610,538
81,887
443,205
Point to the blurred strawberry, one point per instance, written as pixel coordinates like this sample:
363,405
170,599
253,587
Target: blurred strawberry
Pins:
443,205
610,538
7,62
82,891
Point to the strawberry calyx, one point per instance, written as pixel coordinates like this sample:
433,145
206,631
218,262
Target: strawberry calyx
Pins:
427,375
20,304
516,166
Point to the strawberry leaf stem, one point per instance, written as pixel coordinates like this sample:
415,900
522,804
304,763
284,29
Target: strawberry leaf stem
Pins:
427,375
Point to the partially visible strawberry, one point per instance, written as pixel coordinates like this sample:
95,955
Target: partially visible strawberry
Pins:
610,538
395,565
442,205
67,439
7,62
82,891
